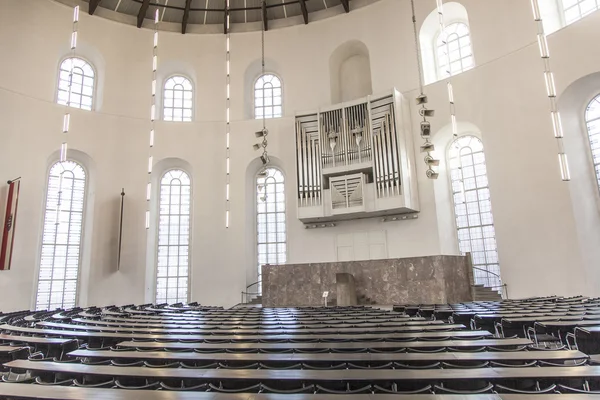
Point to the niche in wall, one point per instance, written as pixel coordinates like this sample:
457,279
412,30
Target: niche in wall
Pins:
350,72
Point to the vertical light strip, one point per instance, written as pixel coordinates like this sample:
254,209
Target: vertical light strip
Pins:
551,92
440,10
427,147
227,112
67,117
152,118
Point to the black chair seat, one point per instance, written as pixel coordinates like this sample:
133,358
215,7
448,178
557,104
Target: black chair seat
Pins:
515,365
364,389
119,363
147,386
174,364
380,389
568,389
281,367
371,366
466,365
200,388
243,366
445,390
569,363
324,367
417,350
249,389
505,389
199,365
416,366
304,389
104,384
66,382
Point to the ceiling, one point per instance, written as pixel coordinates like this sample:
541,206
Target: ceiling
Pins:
212,12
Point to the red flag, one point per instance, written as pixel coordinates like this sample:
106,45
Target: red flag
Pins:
10,220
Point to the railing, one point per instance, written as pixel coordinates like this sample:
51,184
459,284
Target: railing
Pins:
246,294
503,286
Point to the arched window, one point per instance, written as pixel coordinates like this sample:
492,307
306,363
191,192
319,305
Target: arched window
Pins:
178,100
267,97
454,52
61,238
270,219
473,209
76,89
173,238
576,9
592,120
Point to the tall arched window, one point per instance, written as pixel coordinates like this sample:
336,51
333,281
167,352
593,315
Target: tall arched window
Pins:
473,209
577,9
271,234
267,97
81,82
178,102
454,52
172,270
592,120
61,238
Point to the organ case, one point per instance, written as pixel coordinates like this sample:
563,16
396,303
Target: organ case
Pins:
356,160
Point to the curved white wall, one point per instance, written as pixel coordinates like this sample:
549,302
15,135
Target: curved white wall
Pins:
504,97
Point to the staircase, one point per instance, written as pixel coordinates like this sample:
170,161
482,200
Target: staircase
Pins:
482,293
256,301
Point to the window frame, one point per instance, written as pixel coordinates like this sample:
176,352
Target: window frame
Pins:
436,53
164,89
455,215
563,16
588,139
94,87
157,221
254,116
256,214
82,235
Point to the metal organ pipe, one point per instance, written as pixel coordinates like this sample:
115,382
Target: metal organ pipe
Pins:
395,155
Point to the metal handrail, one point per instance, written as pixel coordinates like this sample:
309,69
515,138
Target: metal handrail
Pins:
252,284
489,272
504,286
245,293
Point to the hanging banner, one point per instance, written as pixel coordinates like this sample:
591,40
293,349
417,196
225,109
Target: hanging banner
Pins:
10,220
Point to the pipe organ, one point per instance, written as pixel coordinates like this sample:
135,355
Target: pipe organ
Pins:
356,160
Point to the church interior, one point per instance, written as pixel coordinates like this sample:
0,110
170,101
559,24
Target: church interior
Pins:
299,199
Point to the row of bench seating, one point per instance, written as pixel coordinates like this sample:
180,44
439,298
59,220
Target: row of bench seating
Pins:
309,352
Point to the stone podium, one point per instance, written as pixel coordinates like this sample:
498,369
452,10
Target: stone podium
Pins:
415,280
345,288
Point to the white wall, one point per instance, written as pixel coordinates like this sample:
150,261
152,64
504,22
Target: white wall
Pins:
540,243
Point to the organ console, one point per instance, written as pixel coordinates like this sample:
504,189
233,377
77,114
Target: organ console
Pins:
356,160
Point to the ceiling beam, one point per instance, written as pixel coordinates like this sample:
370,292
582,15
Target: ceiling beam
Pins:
93,5
186,16
142,12
346,5
304,11
264,15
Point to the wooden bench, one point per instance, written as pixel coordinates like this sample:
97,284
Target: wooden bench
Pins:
273,331
33,339
349,375
24,391
8,349
457,344
117,335
562,355
126,322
